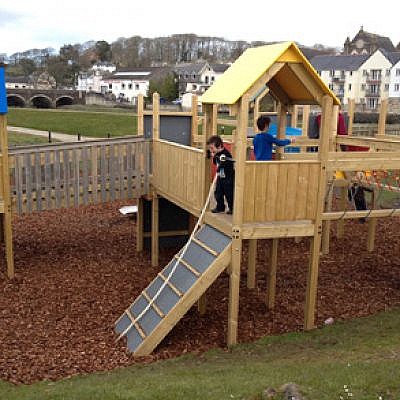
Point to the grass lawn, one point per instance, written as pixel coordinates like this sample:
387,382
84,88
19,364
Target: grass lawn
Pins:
21,139
360,357
93,124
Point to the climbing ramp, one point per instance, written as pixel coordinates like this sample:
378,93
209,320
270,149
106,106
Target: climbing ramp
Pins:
175,289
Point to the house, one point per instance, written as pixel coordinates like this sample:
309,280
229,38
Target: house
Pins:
19,82
104,67
90,81
196,78
127,84
367,43
394,86
365,78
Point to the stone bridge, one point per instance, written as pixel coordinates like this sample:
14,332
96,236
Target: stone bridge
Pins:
44,98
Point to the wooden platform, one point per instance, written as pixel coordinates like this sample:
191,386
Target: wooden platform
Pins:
262,230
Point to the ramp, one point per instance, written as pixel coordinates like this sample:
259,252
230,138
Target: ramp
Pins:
175,289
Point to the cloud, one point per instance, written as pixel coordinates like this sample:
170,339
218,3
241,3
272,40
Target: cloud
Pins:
8,17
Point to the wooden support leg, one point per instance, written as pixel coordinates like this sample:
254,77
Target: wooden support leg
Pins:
234,283
273,262
2,228
202,304
372,225
312,282
342,206
139,225
9,244
154,231
327,224
251,266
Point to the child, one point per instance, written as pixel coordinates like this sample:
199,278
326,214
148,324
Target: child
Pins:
356,193
222,158
263,141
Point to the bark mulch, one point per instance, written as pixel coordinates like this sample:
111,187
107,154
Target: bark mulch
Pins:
77,270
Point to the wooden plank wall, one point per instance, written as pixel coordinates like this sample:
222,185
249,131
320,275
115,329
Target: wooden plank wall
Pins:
280,191
68,175
177,173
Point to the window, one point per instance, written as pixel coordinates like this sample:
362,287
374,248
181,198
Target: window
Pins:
136,86
388,72
386,87
363,86
351,73
130,86
396,87
122,85
372,103
349,86
110,85
194,76
212,78
331,86
397,71
332,72
365,73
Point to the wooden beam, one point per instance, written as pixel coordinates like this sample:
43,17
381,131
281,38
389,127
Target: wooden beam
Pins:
309,83
139,224
312,277
382,117
335,215
251,264
195,119
264,79
140,115
351,106
156,116
273,264
278,92
281,130
154,230
372,225
237,219
5,182
342,206
304,124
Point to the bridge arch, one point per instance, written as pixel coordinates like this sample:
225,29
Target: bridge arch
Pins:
15,100
41,101
64,101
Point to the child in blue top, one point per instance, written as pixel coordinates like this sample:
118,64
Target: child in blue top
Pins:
263,141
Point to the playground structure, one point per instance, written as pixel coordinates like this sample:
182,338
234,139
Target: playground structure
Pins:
287,197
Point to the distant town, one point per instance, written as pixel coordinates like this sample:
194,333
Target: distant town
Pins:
366,69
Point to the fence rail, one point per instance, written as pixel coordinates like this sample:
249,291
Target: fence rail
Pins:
68,175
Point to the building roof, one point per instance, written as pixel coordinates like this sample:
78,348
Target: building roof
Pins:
219,68
18,79
190,68
254,63
393,56
379,41
138,74
342,63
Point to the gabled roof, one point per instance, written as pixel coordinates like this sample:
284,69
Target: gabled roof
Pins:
254,63
393,56
219,68
190,68
342,63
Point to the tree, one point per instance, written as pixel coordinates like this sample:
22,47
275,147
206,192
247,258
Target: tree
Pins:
28,66
166,86
103,50
63,71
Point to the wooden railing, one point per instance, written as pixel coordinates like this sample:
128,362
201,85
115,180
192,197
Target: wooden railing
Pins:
178,174
68,175
280,190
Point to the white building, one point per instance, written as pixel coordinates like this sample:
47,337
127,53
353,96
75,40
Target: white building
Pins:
394,87
127,85
90,82
365,78
104,67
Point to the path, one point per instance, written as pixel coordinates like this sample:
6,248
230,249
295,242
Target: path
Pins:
62,137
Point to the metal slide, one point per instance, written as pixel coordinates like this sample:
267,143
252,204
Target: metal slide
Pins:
175,289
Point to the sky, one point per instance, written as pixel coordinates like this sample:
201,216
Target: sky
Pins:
26,24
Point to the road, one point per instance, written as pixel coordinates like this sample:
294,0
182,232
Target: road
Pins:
62,137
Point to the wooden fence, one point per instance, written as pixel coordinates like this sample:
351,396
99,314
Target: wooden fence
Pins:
68,175
280,190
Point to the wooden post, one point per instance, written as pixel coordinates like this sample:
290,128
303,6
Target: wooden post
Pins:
273,263
154,230
329,199
304,123
140,115
312,277
155,202
5,181
237,219
195,117
382,117
139,225
281,132
251,265
352,105
295,115
342,206
372,224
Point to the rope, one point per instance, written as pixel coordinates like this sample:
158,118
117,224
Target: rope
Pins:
178,260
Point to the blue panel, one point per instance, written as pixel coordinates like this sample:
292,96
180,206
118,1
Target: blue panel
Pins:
122,324
3,96
199,258
134,339
213,238
149,320
166,299
182,278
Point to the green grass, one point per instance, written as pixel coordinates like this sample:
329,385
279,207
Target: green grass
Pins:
92,124
361,355
21,139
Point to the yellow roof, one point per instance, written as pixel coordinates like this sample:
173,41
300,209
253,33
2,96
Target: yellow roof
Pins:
253,63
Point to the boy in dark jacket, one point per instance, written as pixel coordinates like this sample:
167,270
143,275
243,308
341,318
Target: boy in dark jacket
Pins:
356,193
222,158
